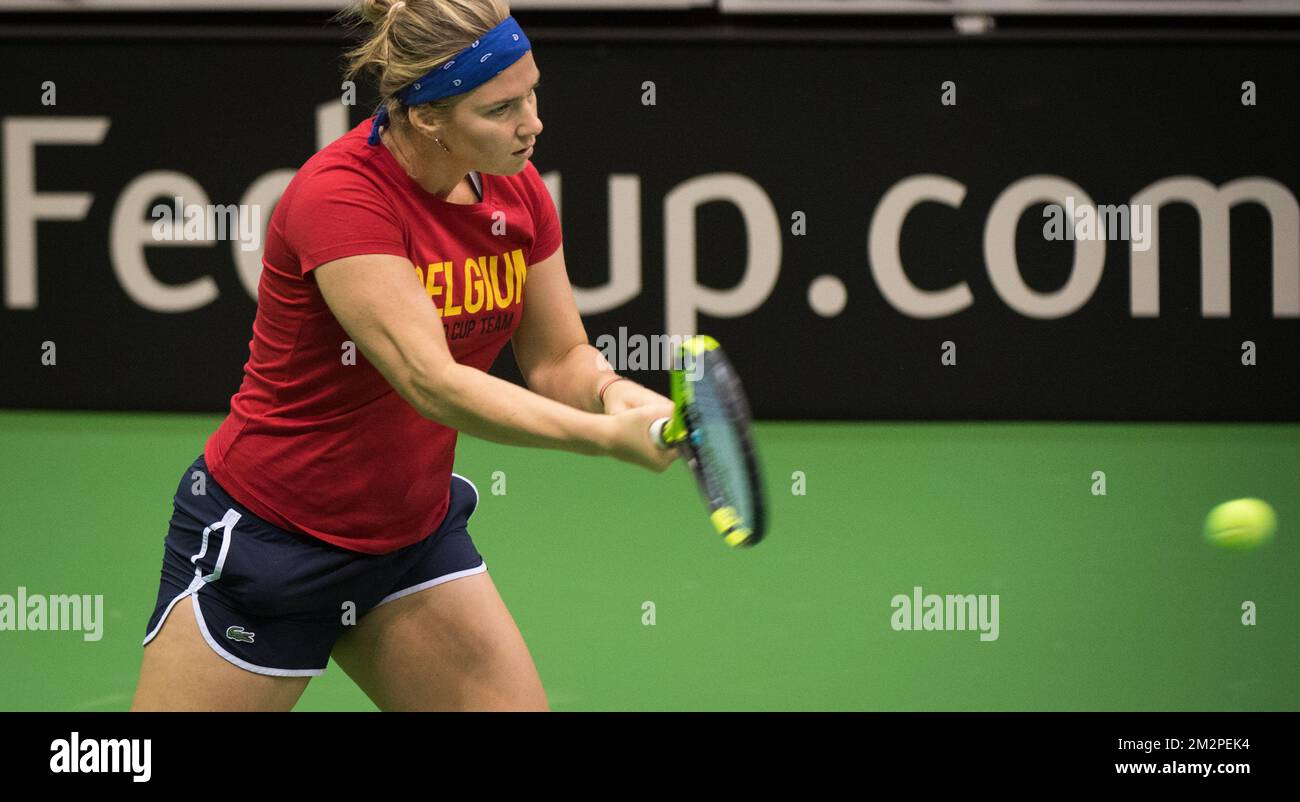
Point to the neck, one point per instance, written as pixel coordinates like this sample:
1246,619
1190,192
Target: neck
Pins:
420,158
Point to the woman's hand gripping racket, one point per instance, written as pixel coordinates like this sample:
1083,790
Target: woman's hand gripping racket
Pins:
711,426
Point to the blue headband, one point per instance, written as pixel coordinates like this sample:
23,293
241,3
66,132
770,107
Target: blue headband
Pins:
477,64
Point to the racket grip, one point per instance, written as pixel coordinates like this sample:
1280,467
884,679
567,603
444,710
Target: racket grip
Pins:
657,432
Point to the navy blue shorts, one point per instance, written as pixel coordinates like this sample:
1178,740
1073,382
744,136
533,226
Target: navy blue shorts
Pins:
273,601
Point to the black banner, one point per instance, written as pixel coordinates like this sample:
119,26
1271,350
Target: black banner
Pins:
1018,750
866,227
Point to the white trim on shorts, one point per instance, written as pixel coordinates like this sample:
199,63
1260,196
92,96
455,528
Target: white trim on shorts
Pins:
228,523
476,496
192,592
244,664
479,569
194,585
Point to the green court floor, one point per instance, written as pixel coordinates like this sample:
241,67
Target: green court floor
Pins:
1107,602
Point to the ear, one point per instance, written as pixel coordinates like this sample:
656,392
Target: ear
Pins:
421,123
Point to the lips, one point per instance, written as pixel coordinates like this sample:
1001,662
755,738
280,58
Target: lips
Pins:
523,150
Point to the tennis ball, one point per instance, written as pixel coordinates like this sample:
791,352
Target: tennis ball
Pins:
1242,523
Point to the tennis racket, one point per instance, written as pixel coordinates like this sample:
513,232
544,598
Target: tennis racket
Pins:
711,425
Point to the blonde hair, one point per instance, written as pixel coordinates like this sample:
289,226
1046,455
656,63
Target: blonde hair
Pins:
411,37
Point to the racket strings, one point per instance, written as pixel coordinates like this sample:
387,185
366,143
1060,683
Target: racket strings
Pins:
719,449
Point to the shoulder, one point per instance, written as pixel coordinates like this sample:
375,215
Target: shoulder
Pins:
342,173
341,164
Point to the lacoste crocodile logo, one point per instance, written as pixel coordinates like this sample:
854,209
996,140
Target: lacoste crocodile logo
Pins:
239,634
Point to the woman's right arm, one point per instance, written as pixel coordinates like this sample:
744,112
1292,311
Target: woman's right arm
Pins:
381,305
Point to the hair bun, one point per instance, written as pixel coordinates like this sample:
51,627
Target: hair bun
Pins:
376,11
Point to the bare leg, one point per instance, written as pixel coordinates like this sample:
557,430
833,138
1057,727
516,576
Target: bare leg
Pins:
181,672
453,646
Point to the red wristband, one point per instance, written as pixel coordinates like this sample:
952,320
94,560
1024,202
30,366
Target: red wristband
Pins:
605,386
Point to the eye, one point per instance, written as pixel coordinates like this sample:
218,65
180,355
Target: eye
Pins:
503,109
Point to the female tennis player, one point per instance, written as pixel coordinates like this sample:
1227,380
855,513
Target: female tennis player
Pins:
323,518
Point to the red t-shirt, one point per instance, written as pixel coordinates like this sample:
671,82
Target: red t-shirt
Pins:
327,448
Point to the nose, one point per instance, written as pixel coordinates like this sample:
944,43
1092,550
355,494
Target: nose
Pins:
535,127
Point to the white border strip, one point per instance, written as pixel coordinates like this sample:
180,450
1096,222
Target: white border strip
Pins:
244,664
194,585
482,568
476,496
192,592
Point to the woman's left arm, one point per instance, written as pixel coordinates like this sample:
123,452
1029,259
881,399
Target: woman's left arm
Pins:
553,353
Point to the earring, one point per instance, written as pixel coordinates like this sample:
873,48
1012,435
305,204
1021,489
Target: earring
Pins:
444,147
